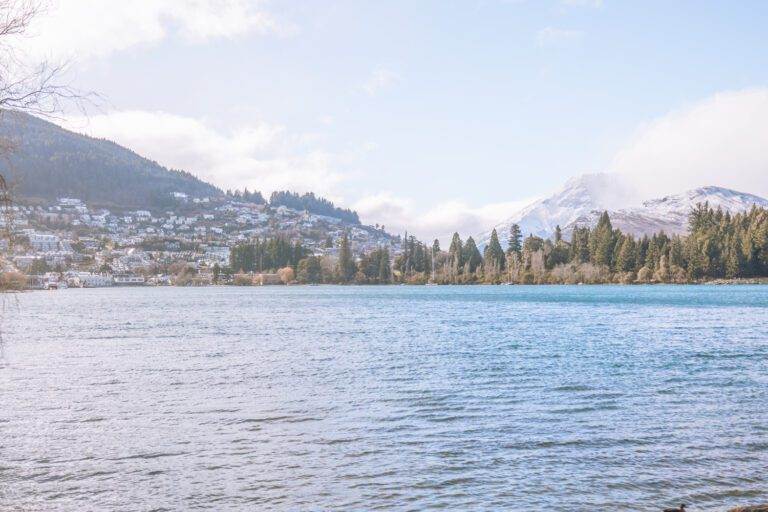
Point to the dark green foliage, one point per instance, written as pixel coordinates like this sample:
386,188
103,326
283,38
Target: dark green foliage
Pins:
312,204
374,268
721,245
579,250
515,239
246,196
625,260
267,254
601,242
309,270
346,267
494,254
472,257
456,253
415,257
557,253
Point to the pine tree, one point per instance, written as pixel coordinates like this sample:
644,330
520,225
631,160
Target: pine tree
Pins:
384,271
472,257
601,241
346,267
625,261
456,253
494,254
515,240
579,252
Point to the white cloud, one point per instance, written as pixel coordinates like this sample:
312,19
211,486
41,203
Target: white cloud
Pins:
82,29
557,37
439,221
722,141
262,157
381,78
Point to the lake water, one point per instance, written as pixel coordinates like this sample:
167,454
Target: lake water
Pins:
406,398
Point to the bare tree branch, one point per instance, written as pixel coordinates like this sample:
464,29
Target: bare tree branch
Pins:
34,89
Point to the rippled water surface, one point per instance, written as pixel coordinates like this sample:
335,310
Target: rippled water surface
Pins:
361,398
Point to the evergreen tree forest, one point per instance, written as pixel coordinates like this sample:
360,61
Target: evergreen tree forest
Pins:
265,255
718,246
312,204
270,255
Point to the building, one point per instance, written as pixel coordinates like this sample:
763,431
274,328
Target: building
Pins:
129,280
43,242
89,280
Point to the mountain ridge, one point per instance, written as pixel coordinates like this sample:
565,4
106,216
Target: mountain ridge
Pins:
582,199
49,161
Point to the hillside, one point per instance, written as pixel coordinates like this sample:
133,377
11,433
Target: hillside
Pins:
49,162
581,201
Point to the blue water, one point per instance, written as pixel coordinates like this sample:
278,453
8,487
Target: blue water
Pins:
391,398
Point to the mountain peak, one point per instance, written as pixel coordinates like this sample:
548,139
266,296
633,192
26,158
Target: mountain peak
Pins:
583,198
578,197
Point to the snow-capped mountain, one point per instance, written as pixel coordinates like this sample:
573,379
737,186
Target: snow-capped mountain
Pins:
578,198
583,199
670,213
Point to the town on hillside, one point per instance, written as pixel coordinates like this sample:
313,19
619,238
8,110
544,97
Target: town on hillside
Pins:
71,243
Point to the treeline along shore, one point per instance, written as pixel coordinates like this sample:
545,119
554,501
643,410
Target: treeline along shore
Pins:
718,247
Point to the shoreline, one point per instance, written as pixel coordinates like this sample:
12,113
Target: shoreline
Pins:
714,282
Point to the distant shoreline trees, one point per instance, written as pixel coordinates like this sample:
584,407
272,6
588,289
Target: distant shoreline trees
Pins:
718,246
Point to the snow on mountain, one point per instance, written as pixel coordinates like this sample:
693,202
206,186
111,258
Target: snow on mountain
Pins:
583,199
578,198
670,213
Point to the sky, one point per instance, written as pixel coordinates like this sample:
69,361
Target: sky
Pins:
431,116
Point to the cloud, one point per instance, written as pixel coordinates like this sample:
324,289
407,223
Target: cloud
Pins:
551,37
381,78
440,221
83,29
262,156
719,141
269,157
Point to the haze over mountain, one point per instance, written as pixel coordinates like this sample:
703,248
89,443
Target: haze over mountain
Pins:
582,199
49,162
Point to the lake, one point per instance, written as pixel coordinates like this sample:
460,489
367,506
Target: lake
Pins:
407,398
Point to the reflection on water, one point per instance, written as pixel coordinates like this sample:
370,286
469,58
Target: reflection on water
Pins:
564,398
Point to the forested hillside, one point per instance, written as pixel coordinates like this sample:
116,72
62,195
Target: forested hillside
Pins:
48,161
312,204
